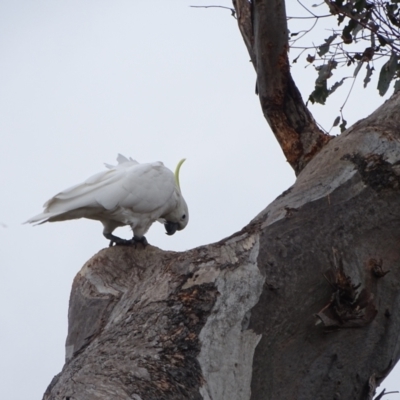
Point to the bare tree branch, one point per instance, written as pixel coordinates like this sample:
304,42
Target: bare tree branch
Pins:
232,10
263,26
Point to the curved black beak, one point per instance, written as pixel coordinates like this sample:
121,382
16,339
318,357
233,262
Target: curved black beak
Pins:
171,227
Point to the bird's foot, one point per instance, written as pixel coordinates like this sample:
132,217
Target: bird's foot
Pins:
125,242
143,241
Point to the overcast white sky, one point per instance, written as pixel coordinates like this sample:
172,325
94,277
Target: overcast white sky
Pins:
82,81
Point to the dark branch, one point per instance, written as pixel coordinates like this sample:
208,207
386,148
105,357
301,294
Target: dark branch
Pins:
263,25
232,10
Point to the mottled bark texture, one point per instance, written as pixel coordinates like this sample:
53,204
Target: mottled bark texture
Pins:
263,26
303,303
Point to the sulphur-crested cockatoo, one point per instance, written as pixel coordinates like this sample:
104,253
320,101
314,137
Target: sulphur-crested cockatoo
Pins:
130,193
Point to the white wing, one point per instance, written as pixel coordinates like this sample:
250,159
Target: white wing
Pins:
143,188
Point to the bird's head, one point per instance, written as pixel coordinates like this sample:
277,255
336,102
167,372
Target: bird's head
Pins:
178,218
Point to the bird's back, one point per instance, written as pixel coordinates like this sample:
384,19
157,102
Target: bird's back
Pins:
142,188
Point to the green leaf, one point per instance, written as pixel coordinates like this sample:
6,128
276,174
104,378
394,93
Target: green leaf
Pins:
392,13
387,73
336,121
324,48
367,78
357,29
359,5
346,34
336,85
384,41
321,92
342,126
325,71
340,19
366,57
310,58
357,70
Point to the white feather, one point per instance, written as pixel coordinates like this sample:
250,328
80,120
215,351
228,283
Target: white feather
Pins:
129,193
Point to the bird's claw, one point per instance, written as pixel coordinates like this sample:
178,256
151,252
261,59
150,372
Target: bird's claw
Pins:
120,242
117,241
143,241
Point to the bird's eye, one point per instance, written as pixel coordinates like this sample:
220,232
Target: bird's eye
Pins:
183,216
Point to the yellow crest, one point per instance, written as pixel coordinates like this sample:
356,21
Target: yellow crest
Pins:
178,167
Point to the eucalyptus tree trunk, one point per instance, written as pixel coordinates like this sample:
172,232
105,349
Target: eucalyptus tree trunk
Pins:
303,303
297,305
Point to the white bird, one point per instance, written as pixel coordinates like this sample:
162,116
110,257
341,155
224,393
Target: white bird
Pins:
130,193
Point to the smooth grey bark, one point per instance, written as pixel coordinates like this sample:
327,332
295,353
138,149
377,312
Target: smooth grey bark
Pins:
303,303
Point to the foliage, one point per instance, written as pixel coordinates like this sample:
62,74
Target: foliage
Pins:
367,31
